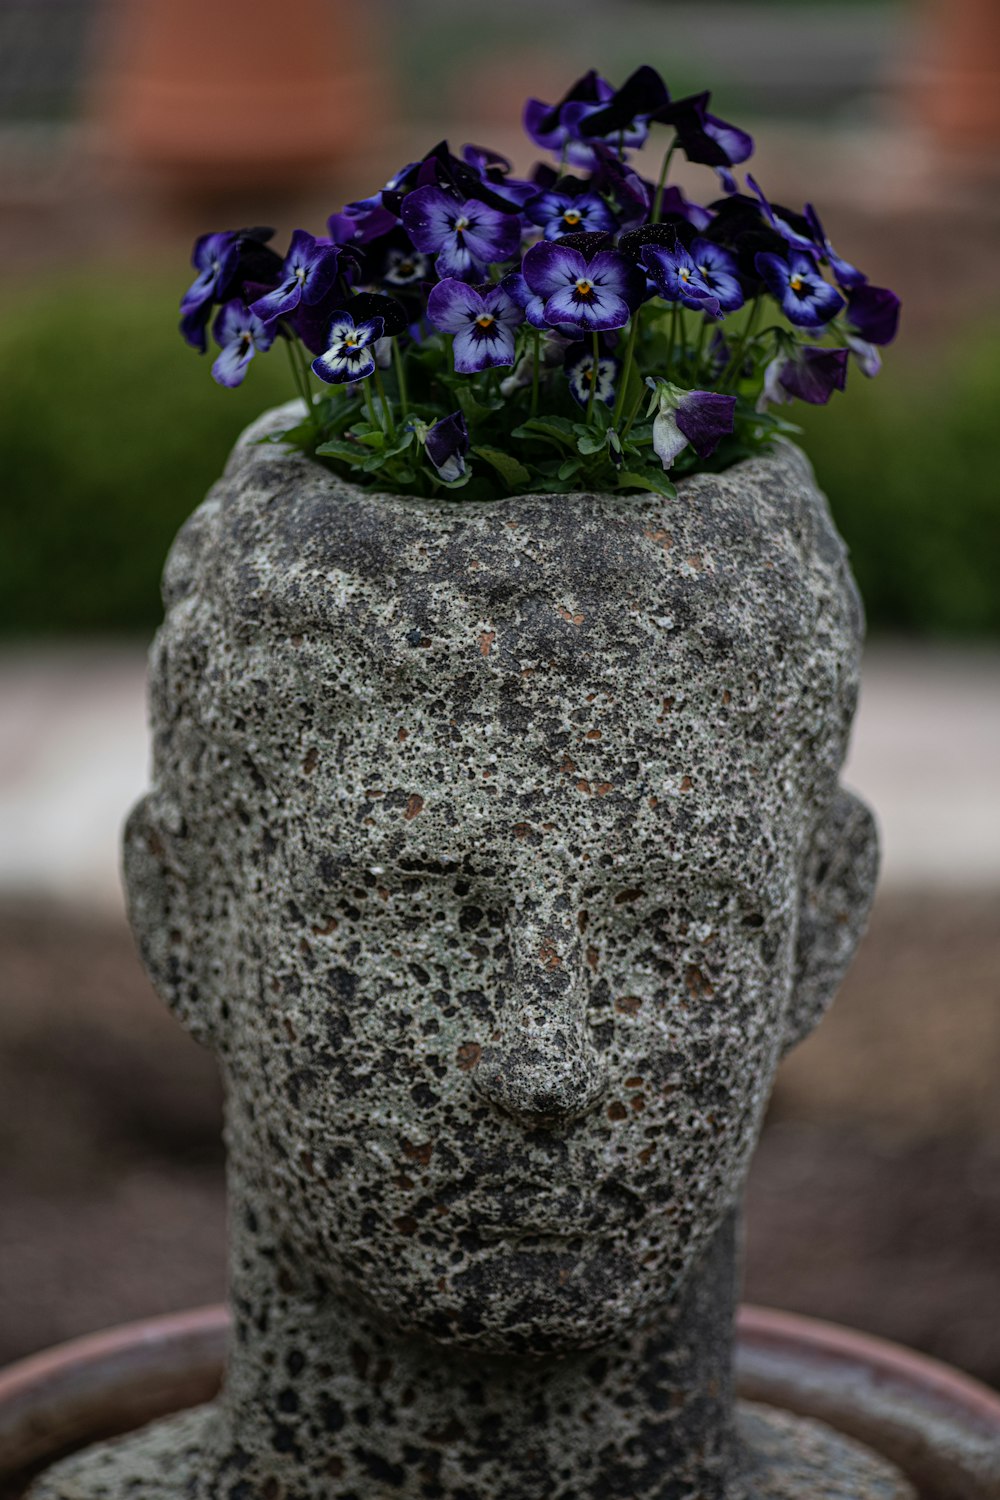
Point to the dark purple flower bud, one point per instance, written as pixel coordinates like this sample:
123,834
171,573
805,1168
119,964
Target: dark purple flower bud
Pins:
701,418
483,323
593,295
350,355
581,373
844,273
703,136
705,418
466,236
447,443
307,275
678,279
240,335
873,313
565,213
810,373
805,298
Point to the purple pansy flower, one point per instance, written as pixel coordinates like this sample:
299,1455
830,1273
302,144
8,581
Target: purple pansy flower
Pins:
718,270
805,298
466,236
801,370
701,418
569,213
495,170
447,443
561,128
580,373
482,321
240,335
307,275
215,257
873,313
592,296
350,355
678,279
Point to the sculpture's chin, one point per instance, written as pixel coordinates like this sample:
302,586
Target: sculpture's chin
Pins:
547,1298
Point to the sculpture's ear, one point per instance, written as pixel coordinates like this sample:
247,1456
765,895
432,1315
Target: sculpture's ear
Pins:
157,893
836,890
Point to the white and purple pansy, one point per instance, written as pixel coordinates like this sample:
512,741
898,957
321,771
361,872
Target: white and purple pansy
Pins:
482,320
797,285
351,355
591,295
447,443
240,335
569,213
677,278
307,275
701,418
465,236
587,375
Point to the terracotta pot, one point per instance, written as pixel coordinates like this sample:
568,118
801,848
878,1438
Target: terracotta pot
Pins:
941,1428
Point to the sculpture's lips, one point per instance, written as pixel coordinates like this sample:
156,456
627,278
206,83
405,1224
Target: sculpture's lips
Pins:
528,1208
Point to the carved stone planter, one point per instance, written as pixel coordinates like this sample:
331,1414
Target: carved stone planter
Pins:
498,852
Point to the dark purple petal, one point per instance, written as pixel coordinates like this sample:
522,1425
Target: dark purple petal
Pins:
452,305
735,143
447,443
642,93
813,374
846,275
705,418
476,348
547,267
704,137
873,312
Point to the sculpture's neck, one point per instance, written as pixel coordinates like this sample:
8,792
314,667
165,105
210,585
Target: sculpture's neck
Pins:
323,1401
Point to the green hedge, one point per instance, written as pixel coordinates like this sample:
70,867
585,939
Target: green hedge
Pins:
111,431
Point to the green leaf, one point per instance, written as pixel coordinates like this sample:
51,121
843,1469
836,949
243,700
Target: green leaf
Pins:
568,468
658,483
350,453
556,429
510,469
590,441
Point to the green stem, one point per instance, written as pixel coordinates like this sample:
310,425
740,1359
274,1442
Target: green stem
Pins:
700,349
672,340
389,423
301,380
632,416
596,356
662,180
626,370
736,362
397,359
370,404
537,339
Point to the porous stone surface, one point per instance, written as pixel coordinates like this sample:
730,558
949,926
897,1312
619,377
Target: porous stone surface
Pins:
498,852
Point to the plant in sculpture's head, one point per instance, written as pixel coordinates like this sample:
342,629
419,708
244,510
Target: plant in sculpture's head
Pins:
586,328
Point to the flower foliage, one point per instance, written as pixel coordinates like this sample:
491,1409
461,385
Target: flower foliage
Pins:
464,329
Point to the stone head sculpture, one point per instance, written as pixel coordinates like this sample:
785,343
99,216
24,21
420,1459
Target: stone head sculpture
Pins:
498,851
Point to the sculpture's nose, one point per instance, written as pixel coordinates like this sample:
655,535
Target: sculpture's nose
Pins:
541,1065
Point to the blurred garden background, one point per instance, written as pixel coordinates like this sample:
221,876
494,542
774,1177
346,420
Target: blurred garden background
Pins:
129,126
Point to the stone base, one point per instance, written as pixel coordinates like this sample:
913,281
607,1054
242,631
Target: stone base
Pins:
785,1457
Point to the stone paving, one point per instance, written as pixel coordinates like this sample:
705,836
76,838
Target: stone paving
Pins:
73,756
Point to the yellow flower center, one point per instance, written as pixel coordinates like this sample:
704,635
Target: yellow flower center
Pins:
571,216
484,320
796,283
584,287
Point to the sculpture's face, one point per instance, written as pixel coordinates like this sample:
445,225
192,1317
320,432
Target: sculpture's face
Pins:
517,1008
494,881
